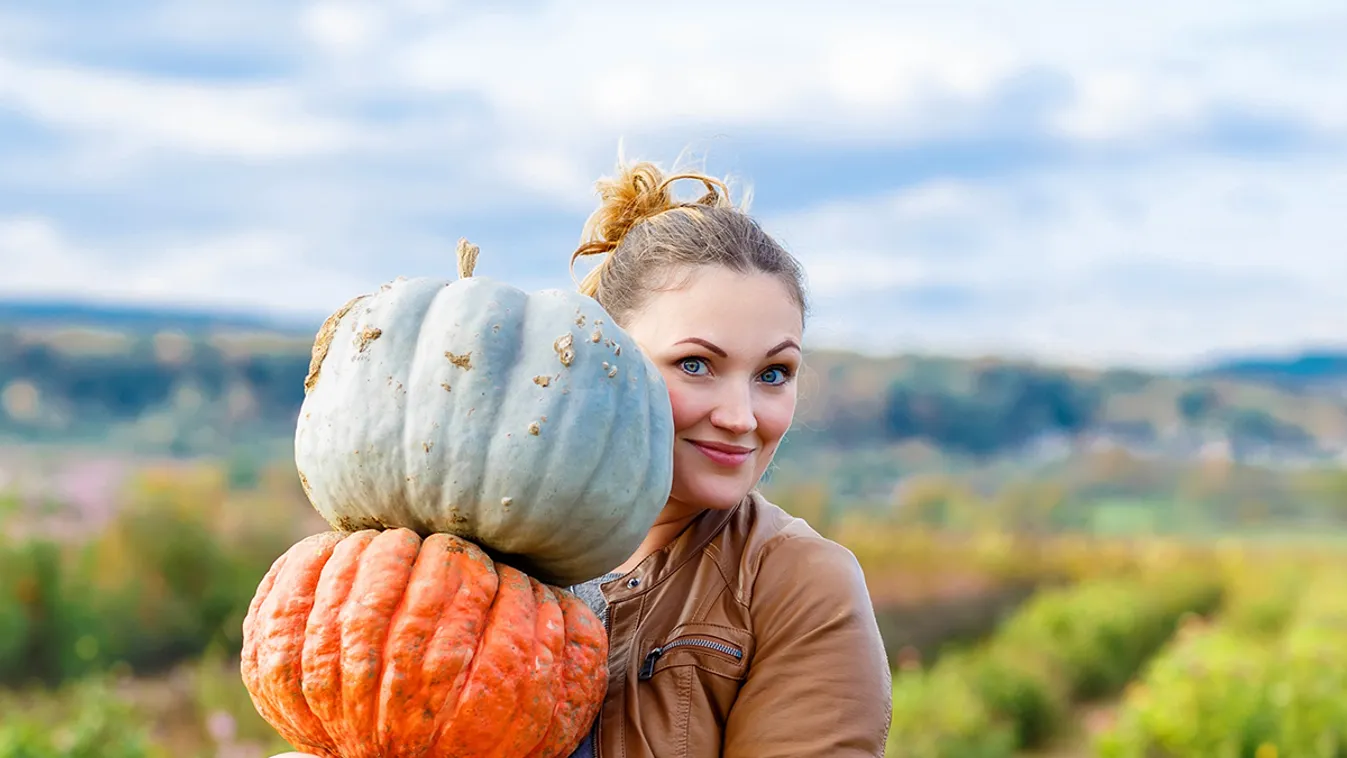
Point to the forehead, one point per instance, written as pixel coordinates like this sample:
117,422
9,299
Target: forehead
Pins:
715,303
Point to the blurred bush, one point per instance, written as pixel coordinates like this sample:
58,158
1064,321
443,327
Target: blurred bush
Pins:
171,575
940,715
1065,645
1242,689
196,710
87,720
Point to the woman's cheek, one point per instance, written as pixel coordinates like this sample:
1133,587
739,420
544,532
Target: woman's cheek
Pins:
684,402
775,414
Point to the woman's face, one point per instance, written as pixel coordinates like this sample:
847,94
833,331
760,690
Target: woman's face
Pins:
728,345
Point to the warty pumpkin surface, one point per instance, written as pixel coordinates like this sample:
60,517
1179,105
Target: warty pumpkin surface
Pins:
379,644
528,423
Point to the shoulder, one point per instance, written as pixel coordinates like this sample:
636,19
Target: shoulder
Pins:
818,679
786,561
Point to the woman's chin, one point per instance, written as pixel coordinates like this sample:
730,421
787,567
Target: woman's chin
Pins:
717,494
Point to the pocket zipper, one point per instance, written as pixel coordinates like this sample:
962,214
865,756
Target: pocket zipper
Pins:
648,665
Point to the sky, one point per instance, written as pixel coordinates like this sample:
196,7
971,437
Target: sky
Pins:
1146,182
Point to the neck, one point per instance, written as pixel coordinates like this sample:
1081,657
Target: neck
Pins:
670,523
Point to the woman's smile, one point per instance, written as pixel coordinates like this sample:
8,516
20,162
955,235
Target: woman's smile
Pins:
723,454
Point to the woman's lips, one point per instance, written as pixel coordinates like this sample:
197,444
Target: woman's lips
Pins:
722,454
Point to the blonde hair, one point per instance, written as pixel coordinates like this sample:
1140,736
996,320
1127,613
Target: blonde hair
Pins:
647,236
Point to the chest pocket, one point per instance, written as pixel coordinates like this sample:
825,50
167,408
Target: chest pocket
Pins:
690,678
713,649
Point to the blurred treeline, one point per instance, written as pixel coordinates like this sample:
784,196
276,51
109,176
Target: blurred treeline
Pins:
215,390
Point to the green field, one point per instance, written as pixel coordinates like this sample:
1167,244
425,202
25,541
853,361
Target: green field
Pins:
120,641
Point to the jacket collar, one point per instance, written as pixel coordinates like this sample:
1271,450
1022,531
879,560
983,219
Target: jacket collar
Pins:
659,565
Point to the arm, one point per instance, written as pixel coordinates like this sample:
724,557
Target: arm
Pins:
819,683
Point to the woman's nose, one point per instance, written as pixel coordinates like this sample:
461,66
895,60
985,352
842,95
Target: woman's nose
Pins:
734,411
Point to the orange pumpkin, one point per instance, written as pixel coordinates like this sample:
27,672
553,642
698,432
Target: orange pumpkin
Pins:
381,644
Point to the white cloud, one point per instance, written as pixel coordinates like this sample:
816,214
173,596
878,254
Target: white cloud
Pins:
364,138
31,250
1150,264
272,271
257,121
894,72
342,27
569,77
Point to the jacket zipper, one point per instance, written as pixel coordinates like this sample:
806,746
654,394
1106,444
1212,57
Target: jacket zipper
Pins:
651,658
608,633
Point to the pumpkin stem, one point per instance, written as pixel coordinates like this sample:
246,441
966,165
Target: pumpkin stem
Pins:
467,258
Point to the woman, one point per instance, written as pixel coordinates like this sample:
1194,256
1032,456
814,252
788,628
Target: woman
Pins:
735,629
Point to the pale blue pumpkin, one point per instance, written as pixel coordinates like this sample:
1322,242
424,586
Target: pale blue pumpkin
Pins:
526,422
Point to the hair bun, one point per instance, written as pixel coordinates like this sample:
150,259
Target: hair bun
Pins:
635,194
639,191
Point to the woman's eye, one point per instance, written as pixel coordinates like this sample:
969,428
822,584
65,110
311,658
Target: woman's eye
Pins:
774,375
692,365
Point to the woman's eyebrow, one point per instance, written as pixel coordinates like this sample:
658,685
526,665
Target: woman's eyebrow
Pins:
785,344
709,346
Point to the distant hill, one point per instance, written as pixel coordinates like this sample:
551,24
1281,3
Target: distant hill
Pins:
72,314
191,382
1297,370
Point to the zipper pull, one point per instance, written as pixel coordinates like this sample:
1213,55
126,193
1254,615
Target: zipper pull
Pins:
648,665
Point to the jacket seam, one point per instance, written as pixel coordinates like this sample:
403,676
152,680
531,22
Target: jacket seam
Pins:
712,597
755,568
685,702
707,624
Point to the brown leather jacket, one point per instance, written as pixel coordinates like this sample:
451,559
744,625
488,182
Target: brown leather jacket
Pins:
750,636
